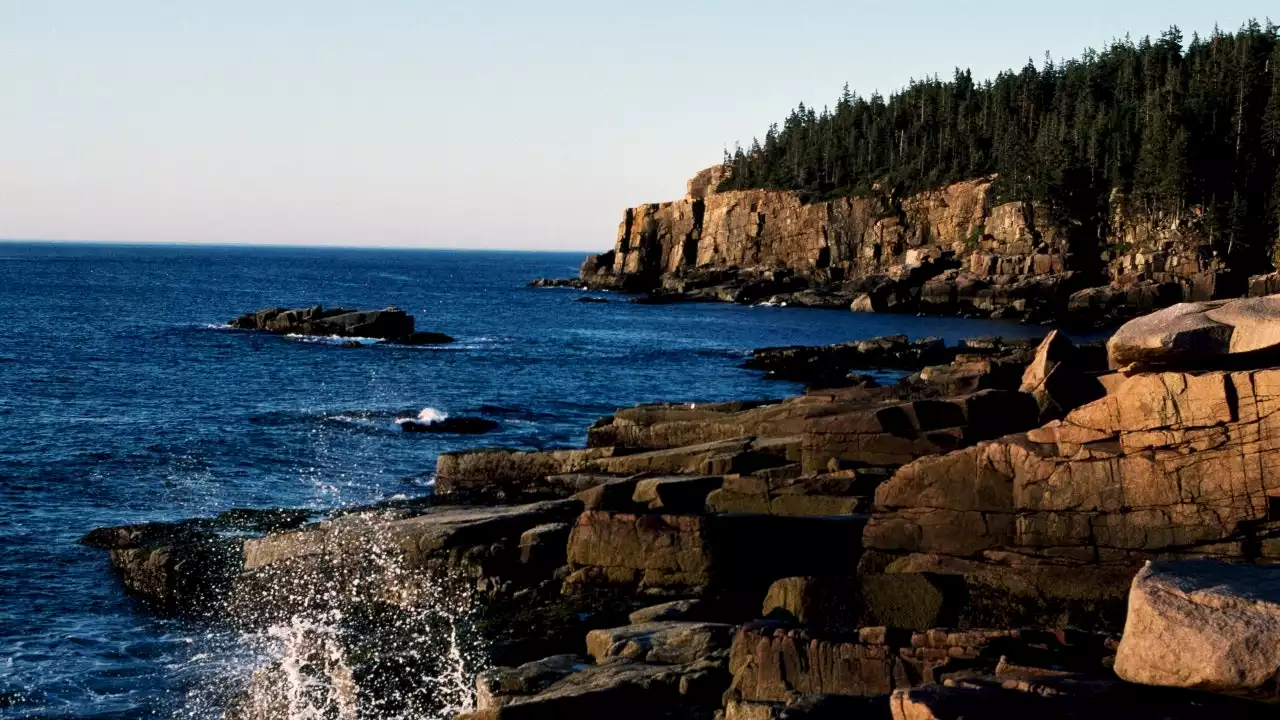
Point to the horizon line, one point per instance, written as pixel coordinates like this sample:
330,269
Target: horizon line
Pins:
298,246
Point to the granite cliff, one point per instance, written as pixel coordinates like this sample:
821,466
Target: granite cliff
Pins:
953,250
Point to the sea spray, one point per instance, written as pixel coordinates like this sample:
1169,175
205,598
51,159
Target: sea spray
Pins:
365,633
307,679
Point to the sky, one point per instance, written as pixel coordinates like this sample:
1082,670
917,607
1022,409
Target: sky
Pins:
469,123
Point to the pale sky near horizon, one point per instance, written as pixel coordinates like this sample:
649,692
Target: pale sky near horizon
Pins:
485,124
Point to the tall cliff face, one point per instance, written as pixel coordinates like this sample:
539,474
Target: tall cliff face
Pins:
960,228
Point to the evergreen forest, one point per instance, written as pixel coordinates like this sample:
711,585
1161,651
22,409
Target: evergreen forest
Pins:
1175,124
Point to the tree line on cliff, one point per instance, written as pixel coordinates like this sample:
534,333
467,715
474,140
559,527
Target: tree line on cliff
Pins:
1174,126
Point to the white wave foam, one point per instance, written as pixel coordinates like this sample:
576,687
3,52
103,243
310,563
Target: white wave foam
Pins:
331,339
427,416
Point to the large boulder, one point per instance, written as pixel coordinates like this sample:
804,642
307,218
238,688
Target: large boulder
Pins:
1203,624
1240,332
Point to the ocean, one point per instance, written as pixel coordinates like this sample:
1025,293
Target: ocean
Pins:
124,398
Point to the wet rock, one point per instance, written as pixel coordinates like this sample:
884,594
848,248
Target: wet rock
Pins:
402,557
187,566
1203,624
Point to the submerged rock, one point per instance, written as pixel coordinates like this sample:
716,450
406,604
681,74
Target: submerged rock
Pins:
455,425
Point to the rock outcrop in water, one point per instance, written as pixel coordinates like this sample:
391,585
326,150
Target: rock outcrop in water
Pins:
961,544
954,250
391,324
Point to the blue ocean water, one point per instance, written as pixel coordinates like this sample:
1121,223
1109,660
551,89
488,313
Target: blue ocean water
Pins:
124,399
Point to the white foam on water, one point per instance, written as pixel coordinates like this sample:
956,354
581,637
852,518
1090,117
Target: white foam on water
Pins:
426,416
331,339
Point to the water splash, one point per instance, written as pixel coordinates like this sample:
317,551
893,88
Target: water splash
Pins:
370,633
310,679
427,416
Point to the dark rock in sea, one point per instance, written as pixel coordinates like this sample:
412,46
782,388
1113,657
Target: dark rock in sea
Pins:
559,282
591,300
455,425
391,324
352,344
829,365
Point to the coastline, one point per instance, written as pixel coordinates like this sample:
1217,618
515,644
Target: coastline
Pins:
885,532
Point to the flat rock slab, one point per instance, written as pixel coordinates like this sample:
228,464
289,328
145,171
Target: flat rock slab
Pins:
1202,624
669,642
621,690
1187,334
674,610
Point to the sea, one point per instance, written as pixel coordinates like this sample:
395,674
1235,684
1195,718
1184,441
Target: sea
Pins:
125,398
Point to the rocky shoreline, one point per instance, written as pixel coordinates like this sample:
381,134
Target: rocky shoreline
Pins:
1015,528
